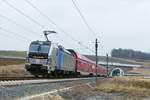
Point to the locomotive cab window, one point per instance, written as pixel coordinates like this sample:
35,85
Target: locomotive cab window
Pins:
39,48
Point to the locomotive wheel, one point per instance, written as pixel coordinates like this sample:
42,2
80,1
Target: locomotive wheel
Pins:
45,76
78,75
36,76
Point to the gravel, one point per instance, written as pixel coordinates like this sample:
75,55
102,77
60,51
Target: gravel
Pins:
18,91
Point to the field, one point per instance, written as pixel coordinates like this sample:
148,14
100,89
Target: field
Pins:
130,87
11,61
12,67
141,71
13,53
13,71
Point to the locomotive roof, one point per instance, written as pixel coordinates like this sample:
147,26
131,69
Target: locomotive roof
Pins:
67,52
41,42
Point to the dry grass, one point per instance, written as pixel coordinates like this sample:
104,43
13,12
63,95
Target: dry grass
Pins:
146,63
55,97
137,87
141,71
48,97
13,71
9,61
82,89
10,67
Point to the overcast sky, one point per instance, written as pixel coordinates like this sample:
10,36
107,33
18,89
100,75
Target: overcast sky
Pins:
117,23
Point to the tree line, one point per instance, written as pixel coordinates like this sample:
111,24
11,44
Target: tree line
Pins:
130,54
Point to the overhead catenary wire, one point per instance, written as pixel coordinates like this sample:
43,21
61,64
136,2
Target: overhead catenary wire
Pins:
48,18
11,36
86,47
7,35
52,22
83,18
22,13
18,25
15,34
64,41
103,49
31,19
27,15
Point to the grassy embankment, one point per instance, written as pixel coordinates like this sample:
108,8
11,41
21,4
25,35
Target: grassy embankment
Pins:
13,71
12,67
130,87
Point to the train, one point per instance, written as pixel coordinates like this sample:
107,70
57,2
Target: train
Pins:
46,59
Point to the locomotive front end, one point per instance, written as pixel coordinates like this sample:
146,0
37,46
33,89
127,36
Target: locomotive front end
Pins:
38,61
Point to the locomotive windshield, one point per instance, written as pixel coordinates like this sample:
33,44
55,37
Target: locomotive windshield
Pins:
39,48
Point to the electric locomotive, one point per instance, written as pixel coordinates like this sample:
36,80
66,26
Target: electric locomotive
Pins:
48,59
45,58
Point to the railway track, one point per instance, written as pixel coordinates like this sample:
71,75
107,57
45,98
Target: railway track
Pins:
32,78
22,88
27,81
5,78
17,78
